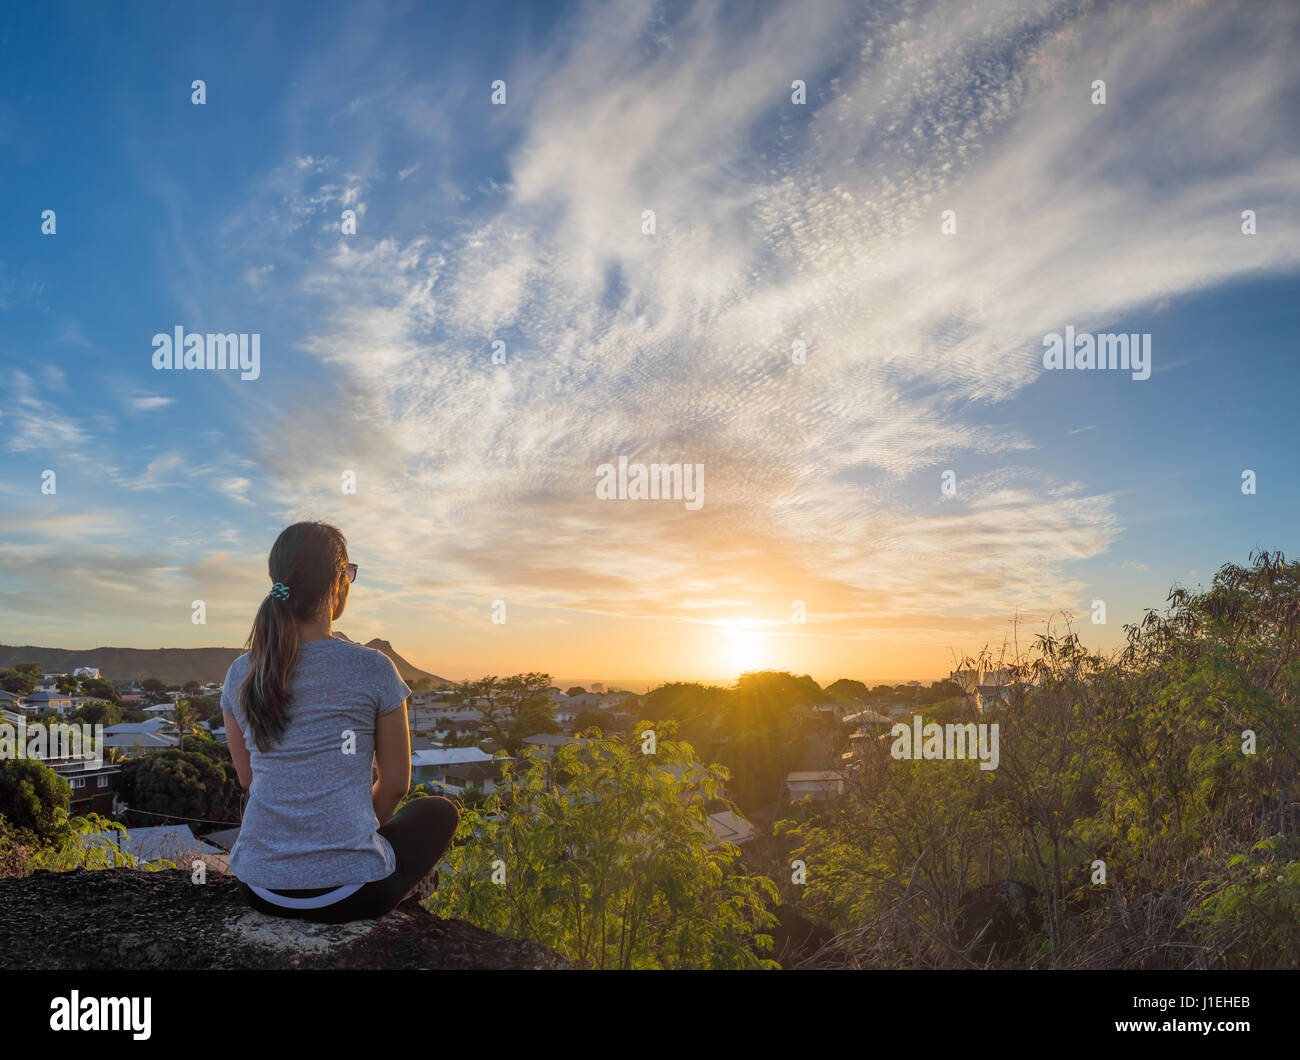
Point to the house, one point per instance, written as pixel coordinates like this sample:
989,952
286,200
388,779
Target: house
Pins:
985,689
138,744
829,710
9,701
437,697
91,780
730,827
161,709
432,717
175,843
564,715
547,743
40,702
470,721
994,689
864,718
486,776
430,766
86,671
817,786
152,725
92,786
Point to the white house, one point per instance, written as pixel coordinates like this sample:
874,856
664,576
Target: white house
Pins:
486,776
432,764
730,827
819,785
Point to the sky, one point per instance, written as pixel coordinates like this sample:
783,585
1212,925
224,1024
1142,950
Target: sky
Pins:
707,234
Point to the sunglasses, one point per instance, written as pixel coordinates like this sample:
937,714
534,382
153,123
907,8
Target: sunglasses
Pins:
351,568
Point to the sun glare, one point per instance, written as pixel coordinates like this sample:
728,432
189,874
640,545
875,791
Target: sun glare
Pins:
744,649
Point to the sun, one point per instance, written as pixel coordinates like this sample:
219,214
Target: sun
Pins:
744,648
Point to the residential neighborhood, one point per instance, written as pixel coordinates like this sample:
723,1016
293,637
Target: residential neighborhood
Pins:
466,741
456,747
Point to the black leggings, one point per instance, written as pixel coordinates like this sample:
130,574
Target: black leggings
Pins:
419,833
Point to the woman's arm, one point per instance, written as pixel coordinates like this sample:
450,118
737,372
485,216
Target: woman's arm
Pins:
238,752
393,759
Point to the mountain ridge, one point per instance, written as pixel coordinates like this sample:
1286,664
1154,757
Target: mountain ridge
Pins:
173,666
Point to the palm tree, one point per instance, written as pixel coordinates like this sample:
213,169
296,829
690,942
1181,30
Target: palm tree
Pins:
183,720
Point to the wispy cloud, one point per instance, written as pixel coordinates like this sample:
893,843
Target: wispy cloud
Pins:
148,402
778,224
777,227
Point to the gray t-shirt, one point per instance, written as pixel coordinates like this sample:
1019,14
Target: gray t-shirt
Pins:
310,821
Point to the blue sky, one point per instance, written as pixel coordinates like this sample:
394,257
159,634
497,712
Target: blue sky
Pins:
523,222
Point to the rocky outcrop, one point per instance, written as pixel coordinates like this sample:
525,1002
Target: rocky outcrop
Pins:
133,919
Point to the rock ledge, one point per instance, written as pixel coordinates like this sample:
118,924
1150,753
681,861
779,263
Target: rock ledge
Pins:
132,919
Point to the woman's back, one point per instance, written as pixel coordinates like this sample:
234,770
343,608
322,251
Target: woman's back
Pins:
310,821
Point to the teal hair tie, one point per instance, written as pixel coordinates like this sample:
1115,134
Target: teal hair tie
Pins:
280,591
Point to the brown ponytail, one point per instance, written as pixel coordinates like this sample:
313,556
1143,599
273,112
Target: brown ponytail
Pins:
305,558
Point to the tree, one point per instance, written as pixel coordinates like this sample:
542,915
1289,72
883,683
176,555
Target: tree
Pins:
1147,797
206,708
100,688
620,869
68,684
17,682
184,720
587,719
191,688
33,797
576,690
700,710
100,714
846,689
153,685
940,691
766,739
175,783
201,743
513,707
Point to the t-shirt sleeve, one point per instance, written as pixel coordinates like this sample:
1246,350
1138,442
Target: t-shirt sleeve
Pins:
230,692
392,690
